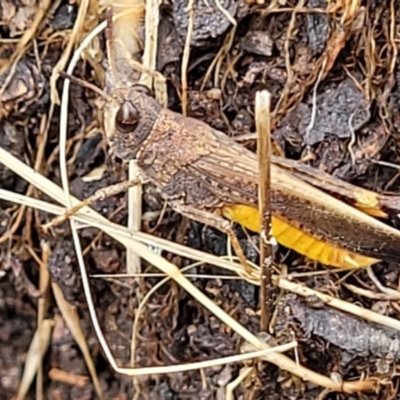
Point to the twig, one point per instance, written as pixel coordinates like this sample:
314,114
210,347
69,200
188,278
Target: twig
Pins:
263,126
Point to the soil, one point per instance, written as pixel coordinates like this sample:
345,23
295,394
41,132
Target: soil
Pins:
335,81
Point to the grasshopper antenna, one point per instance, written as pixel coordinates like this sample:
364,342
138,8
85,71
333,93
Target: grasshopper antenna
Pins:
85,84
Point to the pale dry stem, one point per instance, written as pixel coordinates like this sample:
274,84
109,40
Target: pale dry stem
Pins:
34,356
186,56
263,126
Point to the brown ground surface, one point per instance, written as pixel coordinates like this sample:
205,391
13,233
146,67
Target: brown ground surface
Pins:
272,48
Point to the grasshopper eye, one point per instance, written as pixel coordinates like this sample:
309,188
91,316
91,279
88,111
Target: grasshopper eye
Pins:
127,118
144,89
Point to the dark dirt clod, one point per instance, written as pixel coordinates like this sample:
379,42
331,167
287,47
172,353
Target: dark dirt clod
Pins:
209,21
62,268
17,322
257,42
87,155
242,123
339,111
354,335
203,107
64,17
318,29
12,139
27,90
4,221
170,44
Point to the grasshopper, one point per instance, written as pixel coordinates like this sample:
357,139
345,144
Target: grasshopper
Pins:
205,175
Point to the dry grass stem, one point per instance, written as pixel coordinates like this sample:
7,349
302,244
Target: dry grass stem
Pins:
263,126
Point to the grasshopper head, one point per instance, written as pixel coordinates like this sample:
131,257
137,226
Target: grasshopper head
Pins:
129,117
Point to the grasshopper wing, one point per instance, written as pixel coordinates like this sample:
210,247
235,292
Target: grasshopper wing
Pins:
305,218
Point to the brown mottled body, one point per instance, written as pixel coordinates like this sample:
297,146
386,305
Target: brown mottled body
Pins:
198,170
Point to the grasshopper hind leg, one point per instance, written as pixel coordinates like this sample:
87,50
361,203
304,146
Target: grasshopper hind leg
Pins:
220,223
